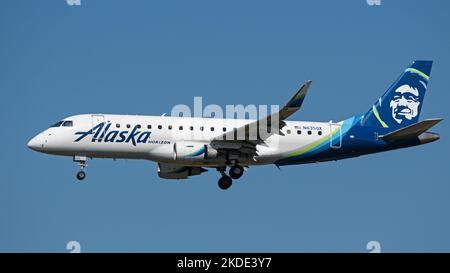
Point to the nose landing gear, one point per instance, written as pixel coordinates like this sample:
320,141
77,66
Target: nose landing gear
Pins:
82,163
81,175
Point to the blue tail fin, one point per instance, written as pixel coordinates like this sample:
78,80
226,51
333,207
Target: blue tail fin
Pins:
400,105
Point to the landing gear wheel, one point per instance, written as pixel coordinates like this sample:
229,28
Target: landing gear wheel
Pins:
81,160
225,182
81,175
236,172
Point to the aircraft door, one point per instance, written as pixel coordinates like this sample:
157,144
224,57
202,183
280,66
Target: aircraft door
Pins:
97,119
336,136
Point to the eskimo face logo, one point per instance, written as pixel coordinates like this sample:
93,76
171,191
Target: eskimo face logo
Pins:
405,104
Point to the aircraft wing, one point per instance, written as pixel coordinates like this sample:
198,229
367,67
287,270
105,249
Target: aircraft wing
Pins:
249,132
245,138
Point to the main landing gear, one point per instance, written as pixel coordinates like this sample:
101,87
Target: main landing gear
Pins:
82,163
226,181
236,172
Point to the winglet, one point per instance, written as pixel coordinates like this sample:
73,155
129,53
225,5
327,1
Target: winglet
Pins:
297,100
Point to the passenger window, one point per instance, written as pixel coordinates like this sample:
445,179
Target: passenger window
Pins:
128,125
149,126
309,132
201,128
288,132
299,132
212,129
159,127
117,125
68,123
138,126
191,128
181,128
320,133
170,127
224,129
57,124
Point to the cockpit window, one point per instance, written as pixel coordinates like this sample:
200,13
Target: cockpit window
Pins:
58,124
68,123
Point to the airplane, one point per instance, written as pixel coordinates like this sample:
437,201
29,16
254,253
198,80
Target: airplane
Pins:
390,123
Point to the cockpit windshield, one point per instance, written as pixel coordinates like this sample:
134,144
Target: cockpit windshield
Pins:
63,123
57,124
68,123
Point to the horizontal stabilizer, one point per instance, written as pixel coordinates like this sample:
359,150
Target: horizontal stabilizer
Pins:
411,130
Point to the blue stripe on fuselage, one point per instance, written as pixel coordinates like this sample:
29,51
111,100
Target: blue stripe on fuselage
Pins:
356,140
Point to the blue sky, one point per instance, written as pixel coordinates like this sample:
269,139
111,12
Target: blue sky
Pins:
143,57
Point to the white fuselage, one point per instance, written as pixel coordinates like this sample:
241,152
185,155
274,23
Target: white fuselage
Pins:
155,137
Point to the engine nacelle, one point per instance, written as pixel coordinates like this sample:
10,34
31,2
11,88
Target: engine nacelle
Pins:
193,151
172,171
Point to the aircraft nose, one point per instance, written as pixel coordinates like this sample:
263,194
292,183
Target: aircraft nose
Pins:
35,143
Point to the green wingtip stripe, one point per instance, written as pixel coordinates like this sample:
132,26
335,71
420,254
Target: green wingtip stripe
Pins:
300,95
413,70
375,112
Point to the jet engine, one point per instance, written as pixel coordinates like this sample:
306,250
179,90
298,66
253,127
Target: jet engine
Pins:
193,151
